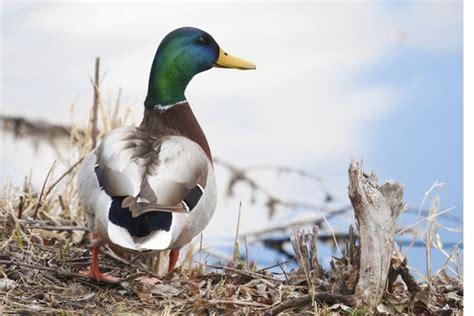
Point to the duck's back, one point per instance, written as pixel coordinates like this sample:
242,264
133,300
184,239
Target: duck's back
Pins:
141,189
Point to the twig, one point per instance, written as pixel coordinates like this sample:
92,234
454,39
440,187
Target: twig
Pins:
96,102
285,169
27,265
42,190
240,175
63,175
112,255
323,298
283,270
233,302
129,278
20,206
236,240
297,171
446,217
78,259
424,219
249,274
60,228
133,277
236,302
317,220
276,264
36,267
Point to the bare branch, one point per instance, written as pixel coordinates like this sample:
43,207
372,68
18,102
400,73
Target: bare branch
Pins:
238,175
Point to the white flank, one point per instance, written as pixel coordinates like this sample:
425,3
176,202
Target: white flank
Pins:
158,240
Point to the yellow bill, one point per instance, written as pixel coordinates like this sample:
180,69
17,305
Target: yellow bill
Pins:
228,61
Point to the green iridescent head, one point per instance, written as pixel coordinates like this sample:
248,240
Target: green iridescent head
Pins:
182,54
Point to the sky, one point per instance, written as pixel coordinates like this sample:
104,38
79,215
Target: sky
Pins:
378,81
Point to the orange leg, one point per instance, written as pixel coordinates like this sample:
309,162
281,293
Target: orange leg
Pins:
174,255
94,272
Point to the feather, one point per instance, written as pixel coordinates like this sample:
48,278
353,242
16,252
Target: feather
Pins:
137,186
151,173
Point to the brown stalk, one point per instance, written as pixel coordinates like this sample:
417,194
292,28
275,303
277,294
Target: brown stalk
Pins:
35,215
95,106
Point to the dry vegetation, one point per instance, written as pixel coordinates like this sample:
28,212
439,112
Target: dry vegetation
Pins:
44,244
40,260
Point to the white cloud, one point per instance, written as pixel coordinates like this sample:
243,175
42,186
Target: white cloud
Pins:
434,27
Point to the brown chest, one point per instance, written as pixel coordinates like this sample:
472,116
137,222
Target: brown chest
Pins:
177,120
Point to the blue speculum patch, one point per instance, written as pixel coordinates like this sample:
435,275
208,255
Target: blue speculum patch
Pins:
142,225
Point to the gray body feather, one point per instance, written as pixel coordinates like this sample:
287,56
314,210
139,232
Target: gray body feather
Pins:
152,174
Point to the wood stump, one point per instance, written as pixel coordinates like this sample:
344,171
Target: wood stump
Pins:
376,210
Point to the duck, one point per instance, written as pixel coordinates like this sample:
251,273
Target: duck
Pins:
153,187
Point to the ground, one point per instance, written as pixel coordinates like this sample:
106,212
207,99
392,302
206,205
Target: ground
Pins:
40,261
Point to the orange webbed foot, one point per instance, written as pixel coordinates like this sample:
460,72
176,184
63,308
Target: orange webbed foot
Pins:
98,276
94,272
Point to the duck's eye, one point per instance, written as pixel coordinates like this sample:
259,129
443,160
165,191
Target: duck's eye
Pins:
201,41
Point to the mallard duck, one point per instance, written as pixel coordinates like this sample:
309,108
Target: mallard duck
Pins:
152,187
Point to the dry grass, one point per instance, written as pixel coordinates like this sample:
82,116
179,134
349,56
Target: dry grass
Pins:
40,260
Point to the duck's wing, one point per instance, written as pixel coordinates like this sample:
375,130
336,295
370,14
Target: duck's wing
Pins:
150,173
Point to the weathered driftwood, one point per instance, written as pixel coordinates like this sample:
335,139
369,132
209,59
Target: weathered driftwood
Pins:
376,209
360,276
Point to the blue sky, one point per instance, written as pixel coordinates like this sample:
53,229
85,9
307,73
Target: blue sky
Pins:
371,80
423,139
